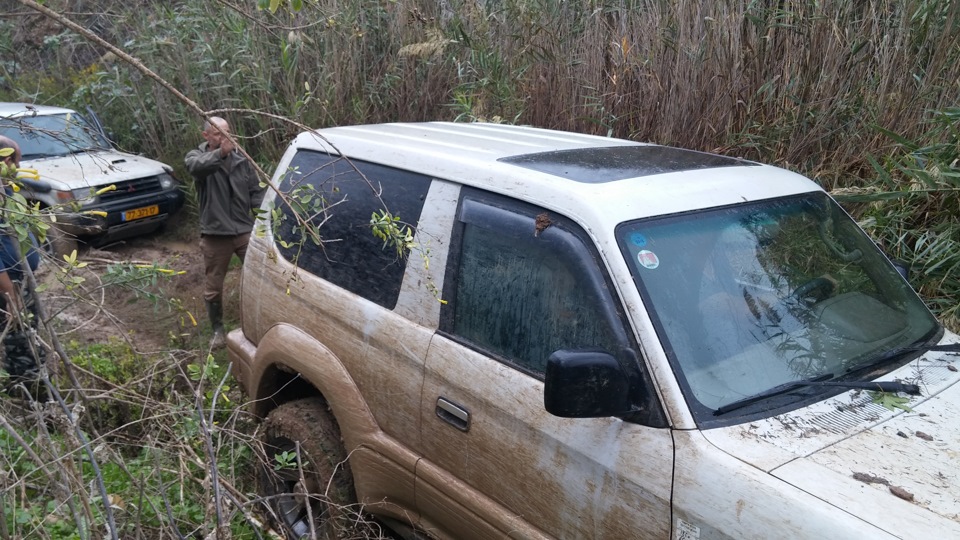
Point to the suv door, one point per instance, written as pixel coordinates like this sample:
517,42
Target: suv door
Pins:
521,283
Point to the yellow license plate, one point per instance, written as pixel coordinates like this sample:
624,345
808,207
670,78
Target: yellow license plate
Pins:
138,213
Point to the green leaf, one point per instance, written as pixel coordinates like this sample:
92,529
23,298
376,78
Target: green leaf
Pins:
897,138
23,517
891,401
882,173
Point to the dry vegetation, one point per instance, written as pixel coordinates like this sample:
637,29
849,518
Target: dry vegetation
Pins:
859,95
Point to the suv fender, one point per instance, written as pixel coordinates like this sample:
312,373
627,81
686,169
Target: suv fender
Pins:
285,349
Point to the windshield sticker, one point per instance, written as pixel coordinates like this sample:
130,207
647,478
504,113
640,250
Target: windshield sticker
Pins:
648,259
638,239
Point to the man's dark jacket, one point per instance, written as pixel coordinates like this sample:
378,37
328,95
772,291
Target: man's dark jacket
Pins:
228,189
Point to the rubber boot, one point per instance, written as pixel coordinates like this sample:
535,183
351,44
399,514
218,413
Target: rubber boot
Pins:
21,363
215,312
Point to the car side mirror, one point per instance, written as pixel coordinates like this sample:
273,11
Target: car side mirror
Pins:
585,384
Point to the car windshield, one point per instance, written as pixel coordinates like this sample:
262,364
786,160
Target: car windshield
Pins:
52,135
753,296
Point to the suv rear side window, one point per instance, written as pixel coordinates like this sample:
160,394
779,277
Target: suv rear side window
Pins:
351,256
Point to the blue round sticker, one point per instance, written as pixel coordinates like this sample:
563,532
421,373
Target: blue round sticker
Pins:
638,239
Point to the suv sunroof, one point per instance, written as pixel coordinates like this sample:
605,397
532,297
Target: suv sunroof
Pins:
600,165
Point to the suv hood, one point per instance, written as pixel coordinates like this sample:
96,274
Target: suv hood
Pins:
93,169
898,469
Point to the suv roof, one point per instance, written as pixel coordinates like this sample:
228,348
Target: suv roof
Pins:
586,176
9,110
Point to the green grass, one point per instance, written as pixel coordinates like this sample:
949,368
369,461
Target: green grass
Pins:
152,443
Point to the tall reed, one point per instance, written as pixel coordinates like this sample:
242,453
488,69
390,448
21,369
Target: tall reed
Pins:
840,90
803,84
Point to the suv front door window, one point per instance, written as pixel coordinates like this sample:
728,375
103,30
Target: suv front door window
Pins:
523,294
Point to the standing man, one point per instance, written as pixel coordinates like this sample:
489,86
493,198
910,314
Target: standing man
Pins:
229,190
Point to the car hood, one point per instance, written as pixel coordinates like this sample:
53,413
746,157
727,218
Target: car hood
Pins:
93,169
898,468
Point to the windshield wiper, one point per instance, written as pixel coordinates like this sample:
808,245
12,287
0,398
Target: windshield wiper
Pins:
87,149
949,347
822,380
900,351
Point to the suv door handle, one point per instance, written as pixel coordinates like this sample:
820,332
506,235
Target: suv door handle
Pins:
453,414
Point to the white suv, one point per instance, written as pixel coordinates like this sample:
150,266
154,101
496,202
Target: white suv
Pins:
591,338
75,162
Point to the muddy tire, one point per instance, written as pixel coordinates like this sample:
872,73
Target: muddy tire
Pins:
321,493
59,243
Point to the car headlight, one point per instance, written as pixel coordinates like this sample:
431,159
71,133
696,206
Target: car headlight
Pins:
167,181
85,196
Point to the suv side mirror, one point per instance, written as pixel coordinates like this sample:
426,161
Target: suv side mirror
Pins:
585,384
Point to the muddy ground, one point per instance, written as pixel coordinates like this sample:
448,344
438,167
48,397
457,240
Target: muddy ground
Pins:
152,317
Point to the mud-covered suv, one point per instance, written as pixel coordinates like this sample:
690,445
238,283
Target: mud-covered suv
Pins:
82,177
589,338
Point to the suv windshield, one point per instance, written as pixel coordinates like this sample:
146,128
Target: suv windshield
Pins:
750,297
52,135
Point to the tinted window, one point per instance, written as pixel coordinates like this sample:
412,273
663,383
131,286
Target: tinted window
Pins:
523,294
350,255
523,283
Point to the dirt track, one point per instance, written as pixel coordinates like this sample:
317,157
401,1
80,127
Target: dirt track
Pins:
96,310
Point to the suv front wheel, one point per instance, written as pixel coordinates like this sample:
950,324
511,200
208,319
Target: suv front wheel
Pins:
58,241
303,475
